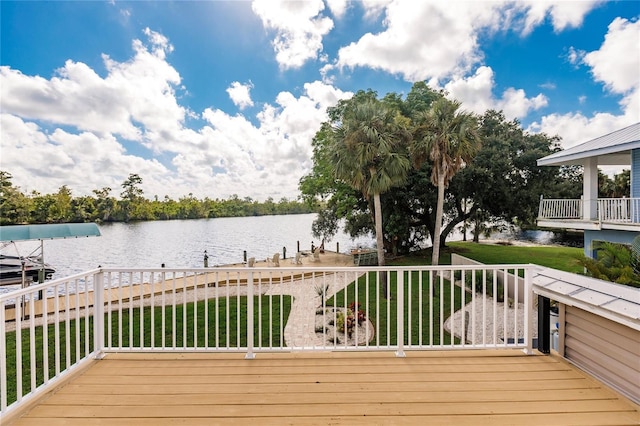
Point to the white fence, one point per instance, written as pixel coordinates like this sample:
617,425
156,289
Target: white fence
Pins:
560,208
619,210
252,310
610,210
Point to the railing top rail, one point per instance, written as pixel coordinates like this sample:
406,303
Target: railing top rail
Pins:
43,286
321,268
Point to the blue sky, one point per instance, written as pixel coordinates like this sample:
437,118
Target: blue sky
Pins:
223,97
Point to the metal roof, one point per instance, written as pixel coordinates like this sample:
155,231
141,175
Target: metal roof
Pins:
616,302
48,232
611,149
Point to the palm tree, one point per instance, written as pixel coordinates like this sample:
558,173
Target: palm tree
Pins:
449,138
367,153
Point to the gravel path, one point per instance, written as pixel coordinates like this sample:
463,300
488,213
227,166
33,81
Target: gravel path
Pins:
484,324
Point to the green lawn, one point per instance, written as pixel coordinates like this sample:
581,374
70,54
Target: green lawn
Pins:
557,257
387,331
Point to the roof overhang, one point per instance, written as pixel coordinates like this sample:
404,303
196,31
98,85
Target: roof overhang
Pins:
613,149
48,231
618,158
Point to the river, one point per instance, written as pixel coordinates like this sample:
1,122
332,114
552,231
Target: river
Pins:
181,243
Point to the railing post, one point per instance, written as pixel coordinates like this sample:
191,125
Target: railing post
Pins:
400,318
250,332
528,309
544,325
540,208
3,360
98,315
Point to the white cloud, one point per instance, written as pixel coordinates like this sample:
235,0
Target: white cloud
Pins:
575,57
435,40
582,99
240,94
374,8
616,64
83,161
135,101
422,40
269,158
338,7
299,28
564,14
85,131
475,93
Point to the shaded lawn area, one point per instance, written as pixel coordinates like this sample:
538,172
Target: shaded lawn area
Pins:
231,333
416,301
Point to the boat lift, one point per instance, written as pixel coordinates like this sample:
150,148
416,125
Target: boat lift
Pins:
15,233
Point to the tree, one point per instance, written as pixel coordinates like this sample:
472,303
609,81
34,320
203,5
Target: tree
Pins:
14,205
449,138
131,195
105,204
367,154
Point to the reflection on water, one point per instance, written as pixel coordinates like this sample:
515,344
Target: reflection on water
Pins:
569,239
181,243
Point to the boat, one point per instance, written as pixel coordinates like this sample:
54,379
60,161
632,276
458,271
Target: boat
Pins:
11,268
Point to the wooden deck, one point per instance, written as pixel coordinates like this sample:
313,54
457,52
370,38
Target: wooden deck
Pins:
455,387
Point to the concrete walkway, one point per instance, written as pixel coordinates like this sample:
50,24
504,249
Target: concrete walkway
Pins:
300,329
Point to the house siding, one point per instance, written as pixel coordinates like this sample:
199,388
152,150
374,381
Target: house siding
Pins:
612,236
604,348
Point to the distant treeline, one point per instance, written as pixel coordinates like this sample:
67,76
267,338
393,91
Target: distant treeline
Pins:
17,207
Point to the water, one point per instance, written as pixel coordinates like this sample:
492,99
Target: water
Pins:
181,243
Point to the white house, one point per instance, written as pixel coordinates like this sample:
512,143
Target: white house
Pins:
602,219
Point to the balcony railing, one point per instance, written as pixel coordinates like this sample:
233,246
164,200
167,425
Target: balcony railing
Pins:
49,330
609,210
619,210
560,209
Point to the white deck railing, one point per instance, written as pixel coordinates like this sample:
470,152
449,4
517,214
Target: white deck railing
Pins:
619,210
560,208
251,310
610,210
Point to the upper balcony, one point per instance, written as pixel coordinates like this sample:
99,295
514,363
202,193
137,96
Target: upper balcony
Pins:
622,214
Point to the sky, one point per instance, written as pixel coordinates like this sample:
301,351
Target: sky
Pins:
216,98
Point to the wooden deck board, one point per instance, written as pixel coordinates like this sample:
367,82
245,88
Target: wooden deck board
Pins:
462,387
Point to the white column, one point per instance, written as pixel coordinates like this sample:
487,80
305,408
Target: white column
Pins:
590,189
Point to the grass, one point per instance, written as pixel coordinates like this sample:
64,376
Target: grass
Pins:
557,257
414,297
231,334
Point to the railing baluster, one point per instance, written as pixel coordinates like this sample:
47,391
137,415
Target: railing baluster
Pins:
152,286
3,359
45,336
250,308
431,331
67,327
400,315
452,306
32,343
77,318
56,329
18,361
98,318
505,300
